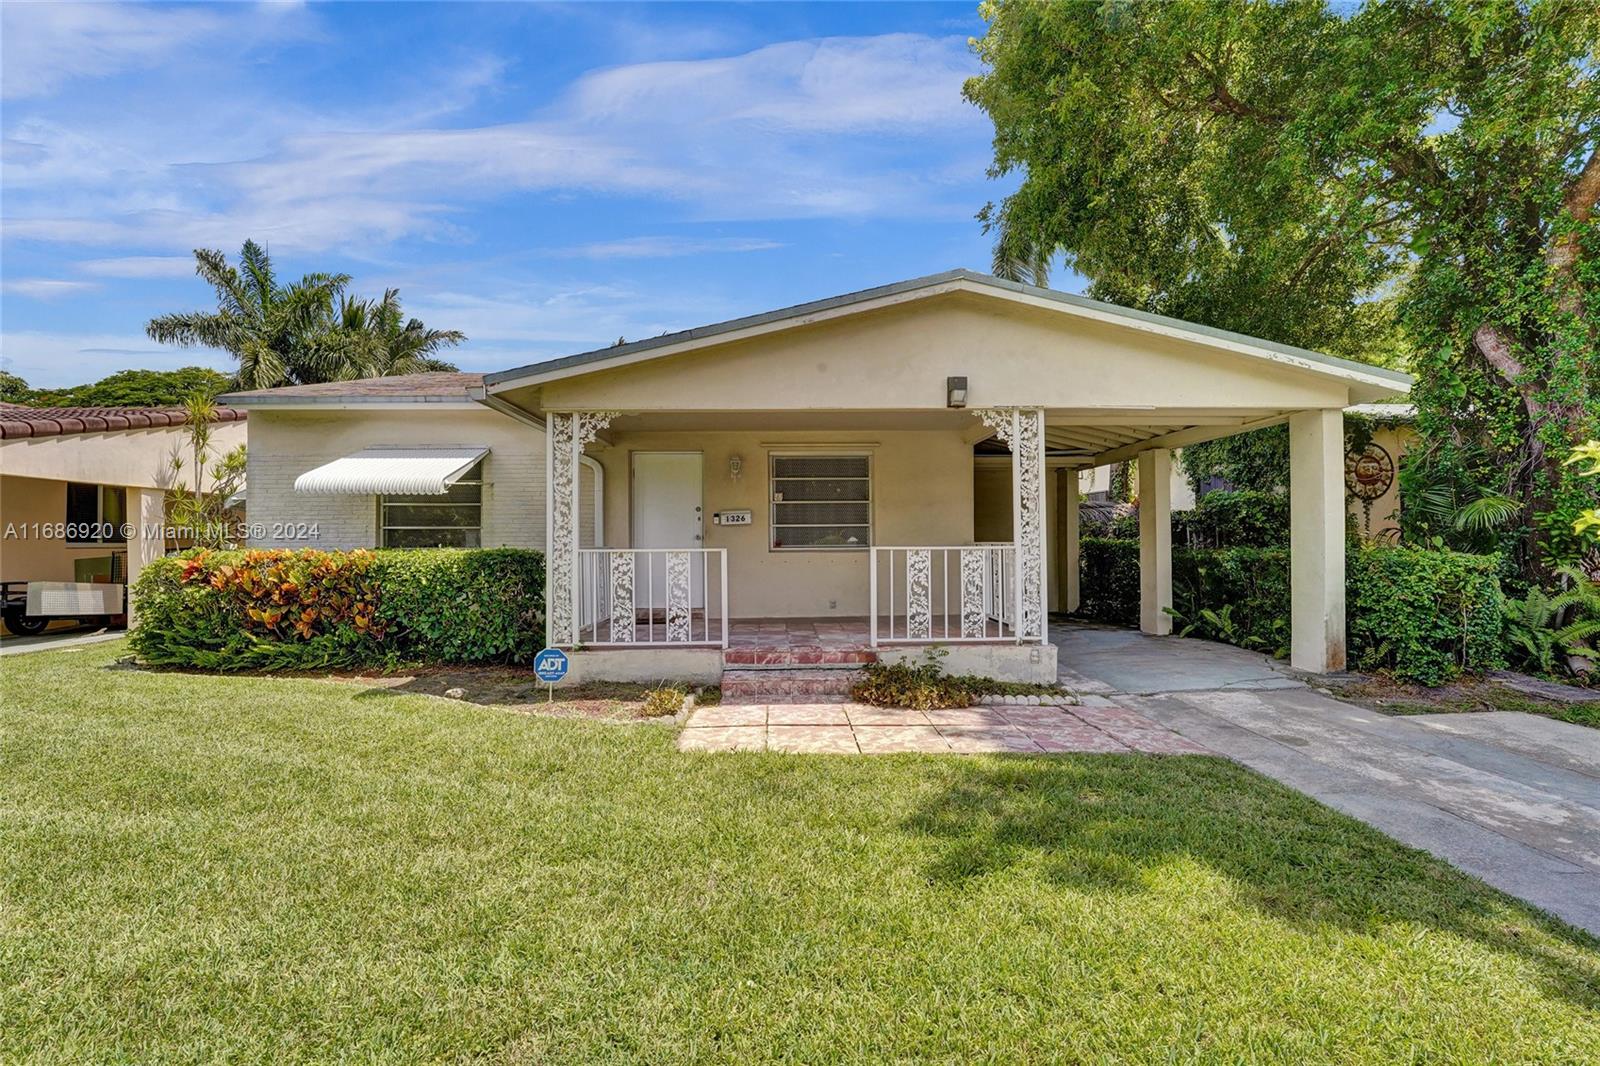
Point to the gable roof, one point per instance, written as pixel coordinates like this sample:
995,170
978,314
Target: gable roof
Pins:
18,422
1386,381
437,386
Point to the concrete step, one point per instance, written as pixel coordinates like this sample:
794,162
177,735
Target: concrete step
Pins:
761,686
782,658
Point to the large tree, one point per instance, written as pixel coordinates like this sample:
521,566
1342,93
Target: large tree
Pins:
1398,176
301,333
383,341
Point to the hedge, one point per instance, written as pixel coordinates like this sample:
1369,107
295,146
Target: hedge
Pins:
1424,616
309,609
1225,518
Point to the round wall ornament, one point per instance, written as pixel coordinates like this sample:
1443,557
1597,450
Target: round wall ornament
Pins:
1369,473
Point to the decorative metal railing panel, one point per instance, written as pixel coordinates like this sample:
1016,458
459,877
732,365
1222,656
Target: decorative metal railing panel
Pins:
639,597
943,595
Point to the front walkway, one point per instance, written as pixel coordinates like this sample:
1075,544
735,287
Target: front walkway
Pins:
855,728
1511,798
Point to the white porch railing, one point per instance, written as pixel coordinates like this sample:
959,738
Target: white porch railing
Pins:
651,596
944,595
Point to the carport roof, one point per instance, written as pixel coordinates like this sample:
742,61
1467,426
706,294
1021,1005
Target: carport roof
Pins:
950,280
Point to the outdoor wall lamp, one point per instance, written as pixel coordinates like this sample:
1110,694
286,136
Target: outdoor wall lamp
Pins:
955,392
735,466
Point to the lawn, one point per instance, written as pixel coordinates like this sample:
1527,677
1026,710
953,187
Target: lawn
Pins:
202,868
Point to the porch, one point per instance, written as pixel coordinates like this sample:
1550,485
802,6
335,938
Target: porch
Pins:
823,462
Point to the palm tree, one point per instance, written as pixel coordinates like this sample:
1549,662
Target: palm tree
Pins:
379,341
276,332
302,333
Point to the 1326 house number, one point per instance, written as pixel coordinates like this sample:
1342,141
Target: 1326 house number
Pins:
733,518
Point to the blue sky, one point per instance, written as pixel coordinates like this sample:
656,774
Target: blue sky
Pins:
544,178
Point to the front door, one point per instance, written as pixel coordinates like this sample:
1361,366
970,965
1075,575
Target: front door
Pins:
667,513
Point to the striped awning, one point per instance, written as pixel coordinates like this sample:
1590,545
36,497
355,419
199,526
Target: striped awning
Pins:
391,471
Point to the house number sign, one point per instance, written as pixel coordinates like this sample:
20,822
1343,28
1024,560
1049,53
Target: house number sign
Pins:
732,518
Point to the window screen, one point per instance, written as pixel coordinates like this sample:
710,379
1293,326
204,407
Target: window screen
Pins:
821,502
453,520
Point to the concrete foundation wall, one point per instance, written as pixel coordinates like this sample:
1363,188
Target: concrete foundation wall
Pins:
701,666
1031,663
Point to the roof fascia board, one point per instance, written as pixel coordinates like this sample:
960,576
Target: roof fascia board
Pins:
345,403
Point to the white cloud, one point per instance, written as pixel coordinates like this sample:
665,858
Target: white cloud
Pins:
47,288
835,127
663,247
52,360
140,266
49,44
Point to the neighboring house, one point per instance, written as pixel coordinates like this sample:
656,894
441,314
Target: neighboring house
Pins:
83,489
829,462
1372,475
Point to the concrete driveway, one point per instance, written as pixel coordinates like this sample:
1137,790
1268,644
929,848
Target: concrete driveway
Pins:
1511,798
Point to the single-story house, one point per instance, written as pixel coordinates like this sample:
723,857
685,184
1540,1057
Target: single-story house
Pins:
83,490
884,470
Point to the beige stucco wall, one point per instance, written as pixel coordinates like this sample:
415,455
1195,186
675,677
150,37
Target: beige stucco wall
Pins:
25,501
133,457
1010,355
286,444
1382,520
34,473
922,495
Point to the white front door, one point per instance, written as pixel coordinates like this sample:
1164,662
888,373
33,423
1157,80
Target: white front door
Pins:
667,512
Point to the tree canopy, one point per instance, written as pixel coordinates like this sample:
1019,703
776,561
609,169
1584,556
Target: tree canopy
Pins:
125,388
302,332
1398,182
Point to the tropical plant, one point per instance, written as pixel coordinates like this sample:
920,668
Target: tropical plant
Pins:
302,333
202,511
1531,630
1389,181
1579,607
381,341
1219,625
279,334
1587,523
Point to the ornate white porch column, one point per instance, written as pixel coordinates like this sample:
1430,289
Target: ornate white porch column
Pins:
1022,429
566,435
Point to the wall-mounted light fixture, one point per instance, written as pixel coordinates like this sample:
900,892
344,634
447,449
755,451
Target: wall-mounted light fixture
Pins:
955,391
735,466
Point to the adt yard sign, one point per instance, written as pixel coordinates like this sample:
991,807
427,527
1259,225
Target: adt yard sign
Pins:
551,665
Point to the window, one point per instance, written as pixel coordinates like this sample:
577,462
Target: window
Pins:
821,502
453,520
95,514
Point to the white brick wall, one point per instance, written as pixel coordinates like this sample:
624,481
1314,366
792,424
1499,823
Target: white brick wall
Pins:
285,444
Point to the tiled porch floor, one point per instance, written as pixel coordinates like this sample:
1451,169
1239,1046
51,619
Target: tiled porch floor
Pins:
822,635
855,728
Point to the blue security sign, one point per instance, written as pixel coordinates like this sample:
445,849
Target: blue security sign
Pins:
551,665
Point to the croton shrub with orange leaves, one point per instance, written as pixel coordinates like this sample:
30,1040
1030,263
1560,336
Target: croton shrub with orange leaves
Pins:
303,609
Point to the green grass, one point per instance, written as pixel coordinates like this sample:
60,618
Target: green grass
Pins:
201,868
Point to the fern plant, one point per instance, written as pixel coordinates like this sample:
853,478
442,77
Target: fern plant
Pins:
1530,629
1579,607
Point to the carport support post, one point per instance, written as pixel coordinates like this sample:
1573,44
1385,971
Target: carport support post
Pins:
147,539
1155,541
1316,540
1067,492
